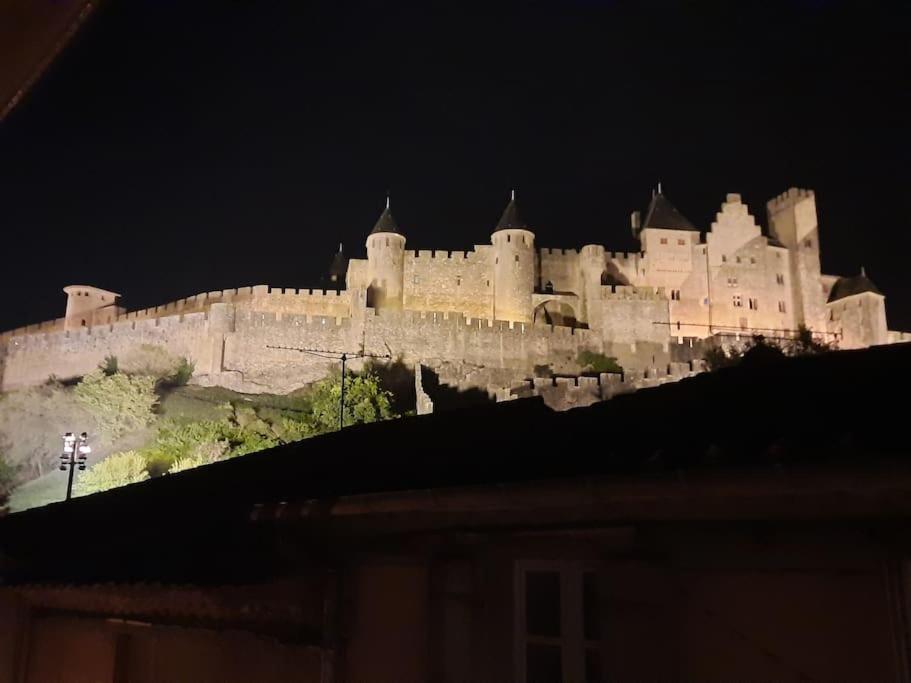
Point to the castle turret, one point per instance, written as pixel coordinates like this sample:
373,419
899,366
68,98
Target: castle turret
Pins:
87,306
667,236
514,266
385,263
337,270
857,313
793,222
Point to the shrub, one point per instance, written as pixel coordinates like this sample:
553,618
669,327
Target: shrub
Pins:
109,365
716,358
182,373
365,401
203,454
119,402
591,361
805,344
543,371
116,470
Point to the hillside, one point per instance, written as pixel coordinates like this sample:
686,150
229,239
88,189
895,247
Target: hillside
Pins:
153,422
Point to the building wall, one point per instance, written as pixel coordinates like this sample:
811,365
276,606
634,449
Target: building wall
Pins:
858,321
450,281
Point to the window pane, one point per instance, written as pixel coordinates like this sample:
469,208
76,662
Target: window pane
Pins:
543,664
592,666
542,603
590,607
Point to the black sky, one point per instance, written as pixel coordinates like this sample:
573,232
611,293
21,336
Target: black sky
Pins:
179,147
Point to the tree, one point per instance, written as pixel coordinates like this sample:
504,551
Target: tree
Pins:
805,344
116,470
119,402
365,401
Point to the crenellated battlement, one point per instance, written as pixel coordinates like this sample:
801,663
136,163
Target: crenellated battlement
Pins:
547,251
442,255
135,328
37,328
622,255
787,199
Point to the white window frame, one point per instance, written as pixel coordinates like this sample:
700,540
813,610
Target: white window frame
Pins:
571,641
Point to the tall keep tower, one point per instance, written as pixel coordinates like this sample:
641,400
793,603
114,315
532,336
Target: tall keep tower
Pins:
793,222
514,266
385,263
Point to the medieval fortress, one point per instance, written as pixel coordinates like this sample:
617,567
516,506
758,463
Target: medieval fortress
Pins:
487,318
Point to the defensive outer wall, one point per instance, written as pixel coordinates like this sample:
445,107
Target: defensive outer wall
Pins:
230,337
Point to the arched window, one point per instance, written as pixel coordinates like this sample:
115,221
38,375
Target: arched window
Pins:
548,287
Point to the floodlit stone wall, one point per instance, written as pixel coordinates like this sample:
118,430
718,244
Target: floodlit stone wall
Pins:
500,309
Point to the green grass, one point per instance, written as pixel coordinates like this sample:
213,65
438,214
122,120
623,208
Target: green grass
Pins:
50,488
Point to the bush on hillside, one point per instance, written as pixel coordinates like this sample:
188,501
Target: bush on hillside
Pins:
115,470
120,403
183,372
365,401
109,365
203,454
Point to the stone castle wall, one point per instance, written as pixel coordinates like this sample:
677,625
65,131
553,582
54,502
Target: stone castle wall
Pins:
229,342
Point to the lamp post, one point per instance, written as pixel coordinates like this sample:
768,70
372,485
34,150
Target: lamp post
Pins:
75,451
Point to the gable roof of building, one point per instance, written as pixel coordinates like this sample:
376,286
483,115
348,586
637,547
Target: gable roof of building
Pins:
511,220
386,223
849,286
695,425
662,214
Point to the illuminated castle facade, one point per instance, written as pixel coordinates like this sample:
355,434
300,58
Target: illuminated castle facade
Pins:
496,314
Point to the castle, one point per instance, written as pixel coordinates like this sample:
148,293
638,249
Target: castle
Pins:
493,316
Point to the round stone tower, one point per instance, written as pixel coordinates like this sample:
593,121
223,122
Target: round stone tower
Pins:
385,263
514,266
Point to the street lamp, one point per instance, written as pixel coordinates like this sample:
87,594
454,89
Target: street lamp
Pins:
75,451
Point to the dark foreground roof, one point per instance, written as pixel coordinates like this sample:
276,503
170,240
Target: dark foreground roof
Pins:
767,414
849,286
662,214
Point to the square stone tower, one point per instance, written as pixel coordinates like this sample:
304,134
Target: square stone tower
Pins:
793,222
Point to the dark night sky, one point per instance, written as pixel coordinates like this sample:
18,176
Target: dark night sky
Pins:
178,147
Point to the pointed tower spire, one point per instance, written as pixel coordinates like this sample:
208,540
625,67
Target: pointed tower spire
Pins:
388,198
511,220
863,272
386,223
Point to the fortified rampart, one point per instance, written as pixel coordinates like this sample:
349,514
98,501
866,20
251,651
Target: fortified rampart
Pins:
563,393
231,343
493,315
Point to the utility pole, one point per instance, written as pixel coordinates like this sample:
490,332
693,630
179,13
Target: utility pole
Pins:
75,450
341,403
344,357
